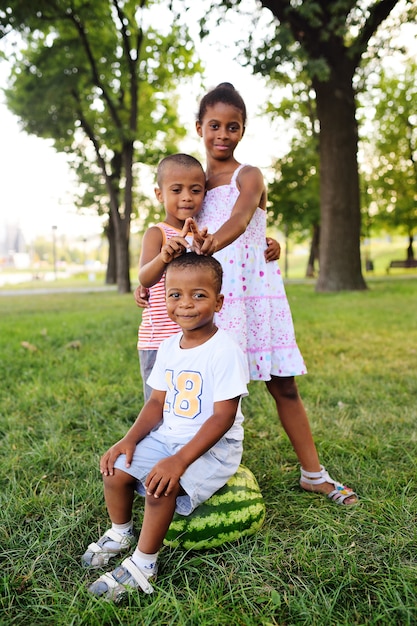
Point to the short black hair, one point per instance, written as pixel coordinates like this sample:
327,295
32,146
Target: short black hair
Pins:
201,261
185,160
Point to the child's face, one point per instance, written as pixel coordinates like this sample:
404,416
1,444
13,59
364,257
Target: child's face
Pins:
221,128
181,193
191,298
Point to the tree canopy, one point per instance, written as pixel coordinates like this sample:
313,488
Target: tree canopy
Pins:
328,41
293,192
100,81
391,169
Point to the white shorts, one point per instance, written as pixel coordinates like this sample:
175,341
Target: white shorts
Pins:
201,479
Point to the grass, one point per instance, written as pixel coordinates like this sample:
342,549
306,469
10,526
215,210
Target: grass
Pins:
312,563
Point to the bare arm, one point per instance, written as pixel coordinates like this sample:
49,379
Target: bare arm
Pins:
252,194
148,418
155,255
166,473
151,266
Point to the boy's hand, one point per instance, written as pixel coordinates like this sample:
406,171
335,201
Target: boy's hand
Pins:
124,446
273,250
141,296
164,476
177,245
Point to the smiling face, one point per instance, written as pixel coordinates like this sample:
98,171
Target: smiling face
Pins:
192,298
181,191
222,127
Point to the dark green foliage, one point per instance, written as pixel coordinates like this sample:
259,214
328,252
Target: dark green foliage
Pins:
100,81
391,181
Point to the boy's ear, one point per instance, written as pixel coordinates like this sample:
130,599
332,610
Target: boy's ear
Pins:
198,127
158,194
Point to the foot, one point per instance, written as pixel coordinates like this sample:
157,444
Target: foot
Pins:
108,546
116,584
321,482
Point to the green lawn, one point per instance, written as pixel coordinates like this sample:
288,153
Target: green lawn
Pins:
75,389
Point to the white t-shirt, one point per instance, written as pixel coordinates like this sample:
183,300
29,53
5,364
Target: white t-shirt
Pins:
194,379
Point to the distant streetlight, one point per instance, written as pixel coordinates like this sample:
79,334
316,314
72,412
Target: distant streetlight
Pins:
54,249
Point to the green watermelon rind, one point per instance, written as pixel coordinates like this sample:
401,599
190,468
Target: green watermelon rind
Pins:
196,531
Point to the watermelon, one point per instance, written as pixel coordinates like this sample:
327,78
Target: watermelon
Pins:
234,511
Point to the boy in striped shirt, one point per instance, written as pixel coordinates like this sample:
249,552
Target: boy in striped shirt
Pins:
180,188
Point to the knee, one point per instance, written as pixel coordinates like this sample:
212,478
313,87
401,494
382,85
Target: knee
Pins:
283,388
151,501
118,480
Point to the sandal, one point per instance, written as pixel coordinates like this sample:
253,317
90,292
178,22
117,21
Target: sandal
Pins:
98,554
339,494
114,585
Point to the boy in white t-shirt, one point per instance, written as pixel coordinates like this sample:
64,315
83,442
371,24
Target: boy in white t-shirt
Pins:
198,380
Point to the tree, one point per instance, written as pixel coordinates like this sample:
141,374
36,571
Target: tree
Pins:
99,81
392,182
294,192
329,40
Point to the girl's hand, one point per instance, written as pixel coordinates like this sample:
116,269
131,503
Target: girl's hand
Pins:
177,245
141,295
273,250
107,461
203,241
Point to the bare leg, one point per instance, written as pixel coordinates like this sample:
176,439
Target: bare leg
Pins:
119,492
295,422
156,520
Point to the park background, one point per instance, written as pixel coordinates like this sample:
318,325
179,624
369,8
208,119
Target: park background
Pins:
71,387
47,230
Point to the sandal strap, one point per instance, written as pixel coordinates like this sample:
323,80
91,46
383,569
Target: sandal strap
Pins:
316,478
339,493
137,575
117,581
116,536
113,535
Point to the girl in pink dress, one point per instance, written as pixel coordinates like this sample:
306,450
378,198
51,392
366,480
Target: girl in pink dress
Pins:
256,310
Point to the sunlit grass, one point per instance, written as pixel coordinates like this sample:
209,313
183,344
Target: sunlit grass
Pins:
77,389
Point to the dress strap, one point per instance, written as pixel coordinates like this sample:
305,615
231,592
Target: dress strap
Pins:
236,173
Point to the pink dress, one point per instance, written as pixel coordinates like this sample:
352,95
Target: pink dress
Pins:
256,310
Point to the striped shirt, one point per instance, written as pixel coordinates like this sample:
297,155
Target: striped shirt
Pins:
156,325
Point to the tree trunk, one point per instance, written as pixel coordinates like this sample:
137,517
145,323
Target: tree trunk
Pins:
123,222
410,249
123,258
111,275
314,252
340,262
119,224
